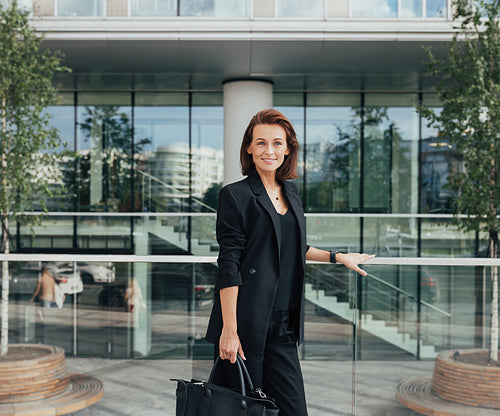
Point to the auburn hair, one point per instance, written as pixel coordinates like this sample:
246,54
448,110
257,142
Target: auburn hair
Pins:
288,169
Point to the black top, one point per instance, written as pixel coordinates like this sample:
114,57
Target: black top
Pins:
288,291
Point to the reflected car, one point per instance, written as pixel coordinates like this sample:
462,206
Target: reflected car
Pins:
169,282
69,281
23,280
97,272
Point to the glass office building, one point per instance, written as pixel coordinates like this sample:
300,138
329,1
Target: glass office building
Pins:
151,110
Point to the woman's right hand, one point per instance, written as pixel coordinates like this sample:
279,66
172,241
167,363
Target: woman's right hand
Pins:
230,345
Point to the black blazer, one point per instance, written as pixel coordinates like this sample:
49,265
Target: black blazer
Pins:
249,237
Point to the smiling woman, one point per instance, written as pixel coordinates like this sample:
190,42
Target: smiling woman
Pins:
259,300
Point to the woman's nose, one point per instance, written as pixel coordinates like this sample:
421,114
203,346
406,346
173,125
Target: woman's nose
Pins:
269,149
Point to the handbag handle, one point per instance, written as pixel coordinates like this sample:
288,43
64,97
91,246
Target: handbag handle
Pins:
243,373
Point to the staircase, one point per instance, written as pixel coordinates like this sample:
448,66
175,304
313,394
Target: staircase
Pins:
378,328
161,229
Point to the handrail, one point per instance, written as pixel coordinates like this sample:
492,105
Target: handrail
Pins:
150,258
213,212
401,291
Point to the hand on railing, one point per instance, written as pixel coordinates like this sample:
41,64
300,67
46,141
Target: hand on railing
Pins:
352,260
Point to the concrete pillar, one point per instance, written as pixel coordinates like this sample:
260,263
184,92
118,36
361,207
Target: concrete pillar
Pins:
242,100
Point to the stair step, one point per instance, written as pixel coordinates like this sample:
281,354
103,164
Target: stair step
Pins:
379,328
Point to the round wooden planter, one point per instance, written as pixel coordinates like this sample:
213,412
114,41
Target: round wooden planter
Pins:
469,384
37,382
34,379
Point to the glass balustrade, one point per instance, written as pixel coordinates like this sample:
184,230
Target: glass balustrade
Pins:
381,329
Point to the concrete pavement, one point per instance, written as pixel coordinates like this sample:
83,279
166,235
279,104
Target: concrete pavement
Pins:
143,387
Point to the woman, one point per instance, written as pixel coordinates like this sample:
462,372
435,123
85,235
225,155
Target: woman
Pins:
261,231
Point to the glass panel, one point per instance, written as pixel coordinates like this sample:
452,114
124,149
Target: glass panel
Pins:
390,237
207,150
374,8
332,153
217,8
438,160
411,8
104,233
295,114
53,233
442,239
328,233
80,8
181,301
62,117
104,144
103,82
162,167
436,8
153,7
298,8
391,134
21,4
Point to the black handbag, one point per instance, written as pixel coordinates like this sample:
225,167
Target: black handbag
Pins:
200,398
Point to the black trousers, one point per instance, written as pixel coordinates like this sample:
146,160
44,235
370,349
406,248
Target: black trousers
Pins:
276,369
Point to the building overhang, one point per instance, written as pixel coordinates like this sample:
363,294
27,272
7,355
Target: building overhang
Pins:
246,48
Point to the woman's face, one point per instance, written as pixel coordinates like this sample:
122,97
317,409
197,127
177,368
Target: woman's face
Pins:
268,147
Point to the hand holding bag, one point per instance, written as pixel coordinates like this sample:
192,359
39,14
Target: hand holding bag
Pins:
196,398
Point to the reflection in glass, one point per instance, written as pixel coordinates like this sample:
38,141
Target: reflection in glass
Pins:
390,237
332,155
104,233
440,238
438,159
21,4
339,233
411,8
436,8
391,154
105,148
217,8
374,8
299,8
296,116
153,7
162,167
62,117
80,8
207,153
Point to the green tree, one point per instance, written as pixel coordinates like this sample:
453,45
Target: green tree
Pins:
30,148
469,89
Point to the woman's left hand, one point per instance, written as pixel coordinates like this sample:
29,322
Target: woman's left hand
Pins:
351,260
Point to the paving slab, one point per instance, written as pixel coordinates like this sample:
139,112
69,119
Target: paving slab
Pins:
143,387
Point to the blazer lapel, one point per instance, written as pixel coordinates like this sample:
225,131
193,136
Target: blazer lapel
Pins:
260,193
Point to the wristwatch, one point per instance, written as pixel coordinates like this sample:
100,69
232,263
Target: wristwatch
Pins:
333,256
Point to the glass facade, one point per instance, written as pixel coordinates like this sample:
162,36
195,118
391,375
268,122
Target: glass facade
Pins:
241,8
298,8
367,158
144,180
402,8
77,8
190,8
